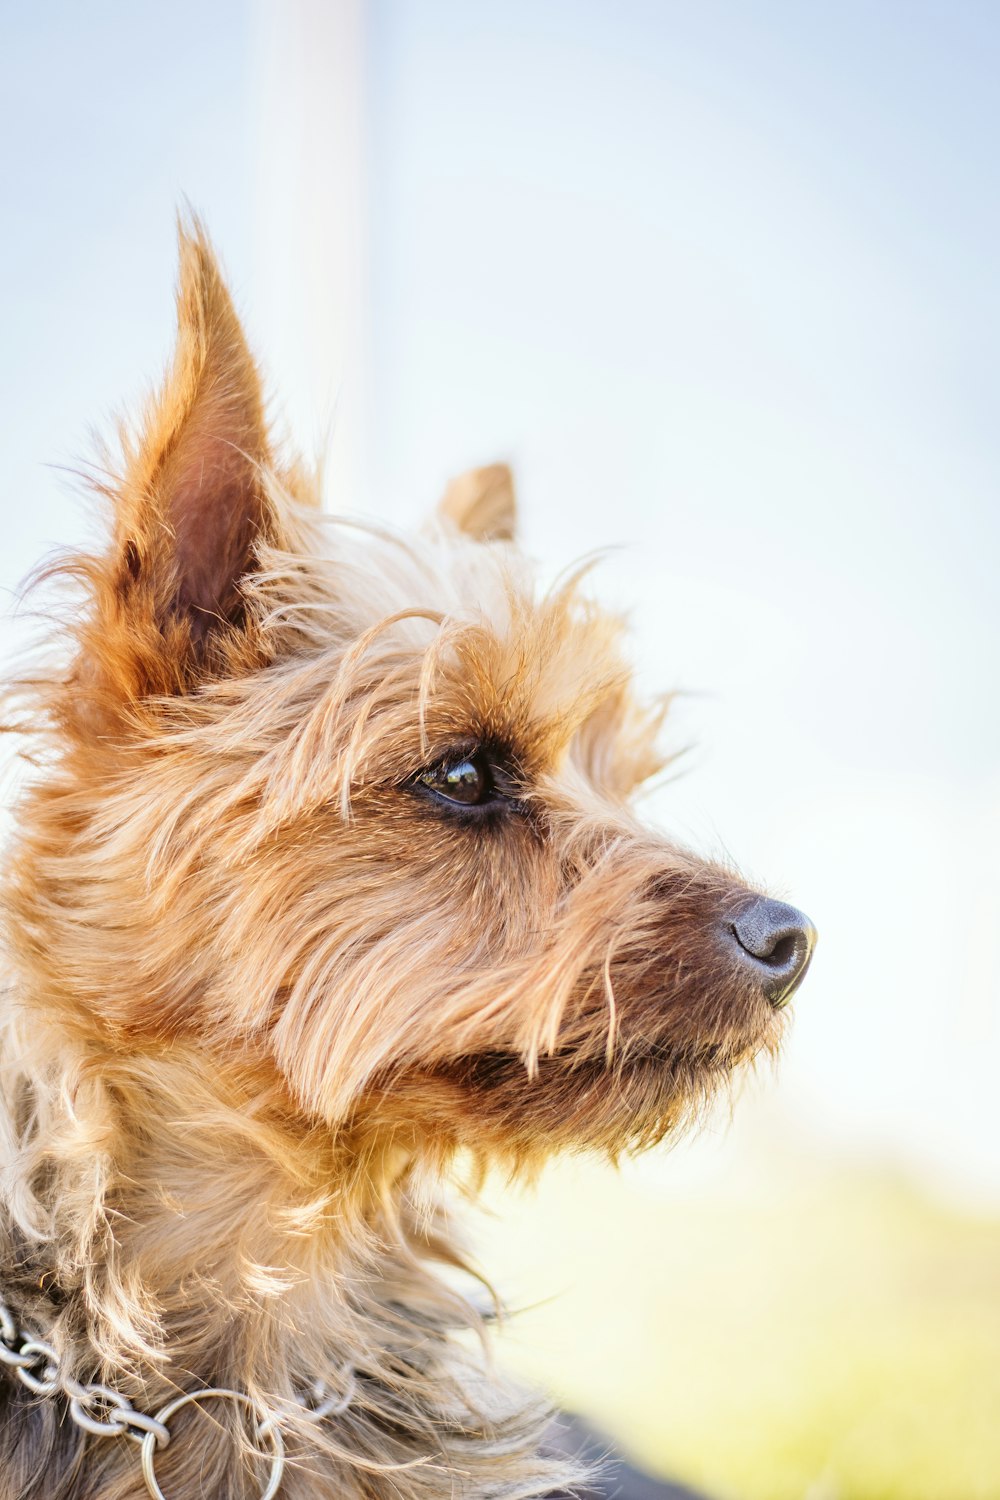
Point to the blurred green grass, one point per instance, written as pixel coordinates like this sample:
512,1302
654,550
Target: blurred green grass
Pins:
799,1330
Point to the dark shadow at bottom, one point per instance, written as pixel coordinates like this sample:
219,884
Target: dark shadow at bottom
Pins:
616,1479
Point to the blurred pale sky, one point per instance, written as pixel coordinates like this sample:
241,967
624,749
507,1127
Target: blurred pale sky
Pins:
720,280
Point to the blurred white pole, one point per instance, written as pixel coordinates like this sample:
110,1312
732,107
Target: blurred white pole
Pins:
307,319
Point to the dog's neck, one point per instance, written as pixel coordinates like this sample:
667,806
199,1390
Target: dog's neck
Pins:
171,1226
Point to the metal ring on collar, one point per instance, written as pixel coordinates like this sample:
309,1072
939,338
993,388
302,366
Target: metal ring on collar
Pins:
270,1431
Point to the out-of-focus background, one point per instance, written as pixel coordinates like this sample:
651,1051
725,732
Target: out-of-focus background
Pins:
720,280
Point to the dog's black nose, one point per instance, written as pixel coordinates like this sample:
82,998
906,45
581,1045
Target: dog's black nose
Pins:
776,941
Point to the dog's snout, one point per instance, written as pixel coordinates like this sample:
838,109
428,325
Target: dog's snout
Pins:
777,942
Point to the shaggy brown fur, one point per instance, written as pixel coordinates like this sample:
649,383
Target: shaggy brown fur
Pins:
265,980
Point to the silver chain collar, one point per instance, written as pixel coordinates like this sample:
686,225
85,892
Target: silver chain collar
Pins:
102,1411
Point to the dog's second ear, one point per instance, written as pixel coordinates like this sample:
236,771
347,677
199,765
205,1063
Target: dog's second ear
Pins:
192,504
481,504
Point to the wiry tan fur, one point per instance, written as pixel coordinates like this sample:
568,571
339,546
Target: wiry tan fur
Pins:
261,989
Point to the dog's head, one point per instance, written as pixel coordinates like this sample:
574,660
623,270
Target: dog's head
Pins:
359,808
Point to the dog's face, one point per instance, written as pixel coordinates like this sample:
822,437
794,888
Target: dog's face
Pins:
359,808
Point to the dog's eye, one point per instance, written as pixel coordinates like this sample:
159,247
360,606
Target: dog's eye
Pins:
467,782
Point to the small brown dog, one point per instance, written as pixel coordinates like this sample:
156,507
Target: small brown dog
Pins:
325,872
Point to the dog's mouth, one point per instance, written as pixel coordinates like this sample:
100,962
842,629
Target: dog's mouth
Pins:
650,1069
629,1100
495,1069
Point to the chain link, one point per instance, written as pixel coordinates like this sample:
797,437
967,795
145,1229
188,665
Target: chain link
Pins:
102,1411
96,1409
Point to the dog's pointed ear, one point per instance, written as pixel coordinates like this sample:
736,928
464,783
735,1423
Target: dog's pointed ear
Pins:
192,505
481,503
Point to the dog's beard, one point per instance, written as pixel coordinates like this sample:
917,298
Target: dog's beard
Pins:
609,1091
